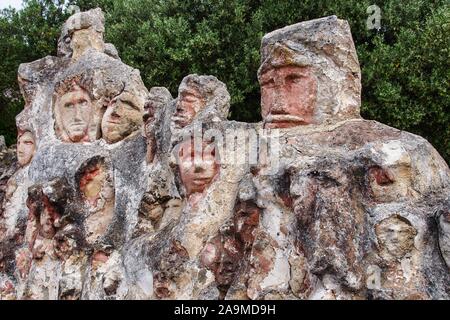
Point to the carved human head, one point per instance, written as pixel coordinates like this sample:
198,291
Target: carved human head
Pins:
309,74
198,94
95,182
82,31
73,111
158,97
43,213
391,179
222,256
123,117
396,235
197,168
288,96
66,241
26,147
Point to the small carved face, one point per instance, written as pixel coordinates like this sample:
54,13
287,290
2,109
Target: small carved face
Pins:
26,148
396,235
222,256
172,206
64,242
92,182
246,219
75,112
190,102
153,104
47,227
122,117
197,169
288,96
152,211
85,39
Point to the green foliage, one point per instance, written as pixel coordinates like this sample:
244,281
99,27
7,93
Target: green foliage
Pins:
405,65
407,81
25,36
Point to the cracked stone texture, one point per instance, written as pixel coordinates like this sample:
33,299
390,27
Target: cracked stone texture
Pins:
338,208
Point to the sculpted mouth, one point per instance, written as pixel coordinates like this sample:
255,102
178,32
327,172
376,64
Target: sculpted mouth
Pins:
201,180
179,118
78,127
286,118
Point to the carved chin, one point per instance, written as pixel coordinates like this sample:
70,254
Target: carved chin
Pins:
77,135
23,160
112,137
113,134
198,186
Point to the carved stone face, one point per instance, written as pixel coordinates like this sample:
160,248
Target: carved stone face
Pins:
26,148
246,219
74,109
122,117
197,170
288,96
47,222
190,102
153,211
85,39
222,256
97,190
396,236
153,104
64,242
92,182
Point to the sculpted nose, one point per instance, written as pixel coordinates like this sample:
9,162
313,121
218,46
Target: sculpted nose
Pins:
180,108
78,113
198,168
115,110
277,106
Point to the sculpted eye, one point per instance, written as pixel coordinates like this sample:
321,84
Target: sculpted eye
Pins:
293,78
268,83
83,103
129,105
190,99
68,105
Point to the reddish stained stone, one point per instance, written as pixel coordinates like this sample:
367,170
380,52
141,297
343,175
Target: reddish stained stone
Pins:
381,176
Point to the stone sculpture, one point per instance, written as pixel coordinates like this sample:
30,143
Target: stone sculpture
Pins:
201,97
73,112
26,147
122,117
157,101
118,192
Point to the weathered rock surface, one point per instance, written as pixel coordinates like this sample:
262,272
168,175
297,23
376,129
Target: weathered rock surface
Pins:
119,192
